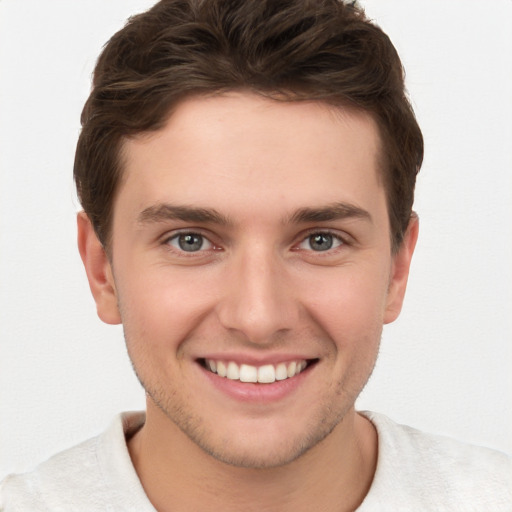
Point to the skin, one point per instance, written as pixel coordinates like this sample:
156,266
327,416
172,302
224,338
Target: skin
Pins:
271,175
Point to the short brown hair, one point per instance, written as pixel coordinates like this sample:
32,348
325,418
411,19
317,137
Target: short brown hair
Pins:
325,50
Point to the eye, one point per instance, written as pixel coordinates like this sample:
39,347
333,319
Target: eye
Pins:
190,242
321,242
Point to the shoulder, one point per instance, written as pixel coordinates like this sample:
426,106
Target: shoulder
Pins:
52,481
436,472
87,477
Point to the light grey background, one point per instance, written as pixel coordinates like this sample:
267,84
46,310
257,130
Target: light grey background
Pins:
444,366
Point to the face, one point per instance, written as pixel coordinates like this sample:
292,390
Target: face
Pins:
252,270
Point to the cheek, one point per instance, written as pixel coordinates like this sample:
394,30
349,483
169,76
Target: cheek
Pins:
161,308
350,306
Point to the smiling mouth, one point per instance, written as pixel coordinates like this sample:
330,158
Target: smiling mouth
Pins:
265,374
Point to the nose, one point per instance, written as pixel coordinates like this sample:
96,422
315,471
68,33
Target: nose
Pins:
258,300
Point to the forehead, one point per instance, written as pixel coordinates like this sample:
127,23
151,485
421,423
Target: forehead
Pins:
239,150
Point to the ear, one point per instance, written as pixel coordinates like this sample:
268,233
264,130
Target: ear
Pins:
99,271
400,271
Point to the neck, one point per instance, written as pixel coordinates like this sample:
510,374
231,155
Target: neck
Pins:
177,475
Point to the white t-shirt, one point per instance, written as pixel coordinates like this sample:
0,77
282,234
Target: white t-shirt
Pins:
415,472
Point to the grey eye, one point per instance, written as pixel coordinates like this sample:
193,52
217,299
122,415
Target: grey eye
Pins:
190,242
321,241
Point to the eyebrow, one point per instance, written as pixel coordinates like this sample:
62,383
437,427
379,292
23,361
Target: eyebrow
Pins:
335,211
163,212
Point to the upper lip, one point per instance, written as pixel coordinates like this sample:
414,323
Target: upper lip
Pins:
253,360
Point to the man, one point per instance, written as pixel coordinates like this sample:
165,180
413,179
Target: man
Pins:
247,173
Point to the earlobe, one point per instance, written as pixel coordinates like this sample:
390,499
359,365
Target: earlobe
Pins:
99,271
400,271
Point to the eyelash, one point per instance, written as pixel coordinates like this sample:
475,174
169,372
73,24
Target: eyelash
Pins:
341,242
193,233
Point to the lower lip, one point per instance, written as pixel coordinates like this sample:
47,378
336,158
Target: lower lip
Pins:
255,392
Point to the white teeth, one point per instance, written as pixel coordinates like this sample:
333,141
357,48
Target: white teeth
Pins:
221,369
233,372
265,374
291,369
281,372
248,373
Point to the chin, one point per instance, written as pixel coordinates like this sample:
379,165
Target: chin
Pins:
252,455
264,446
